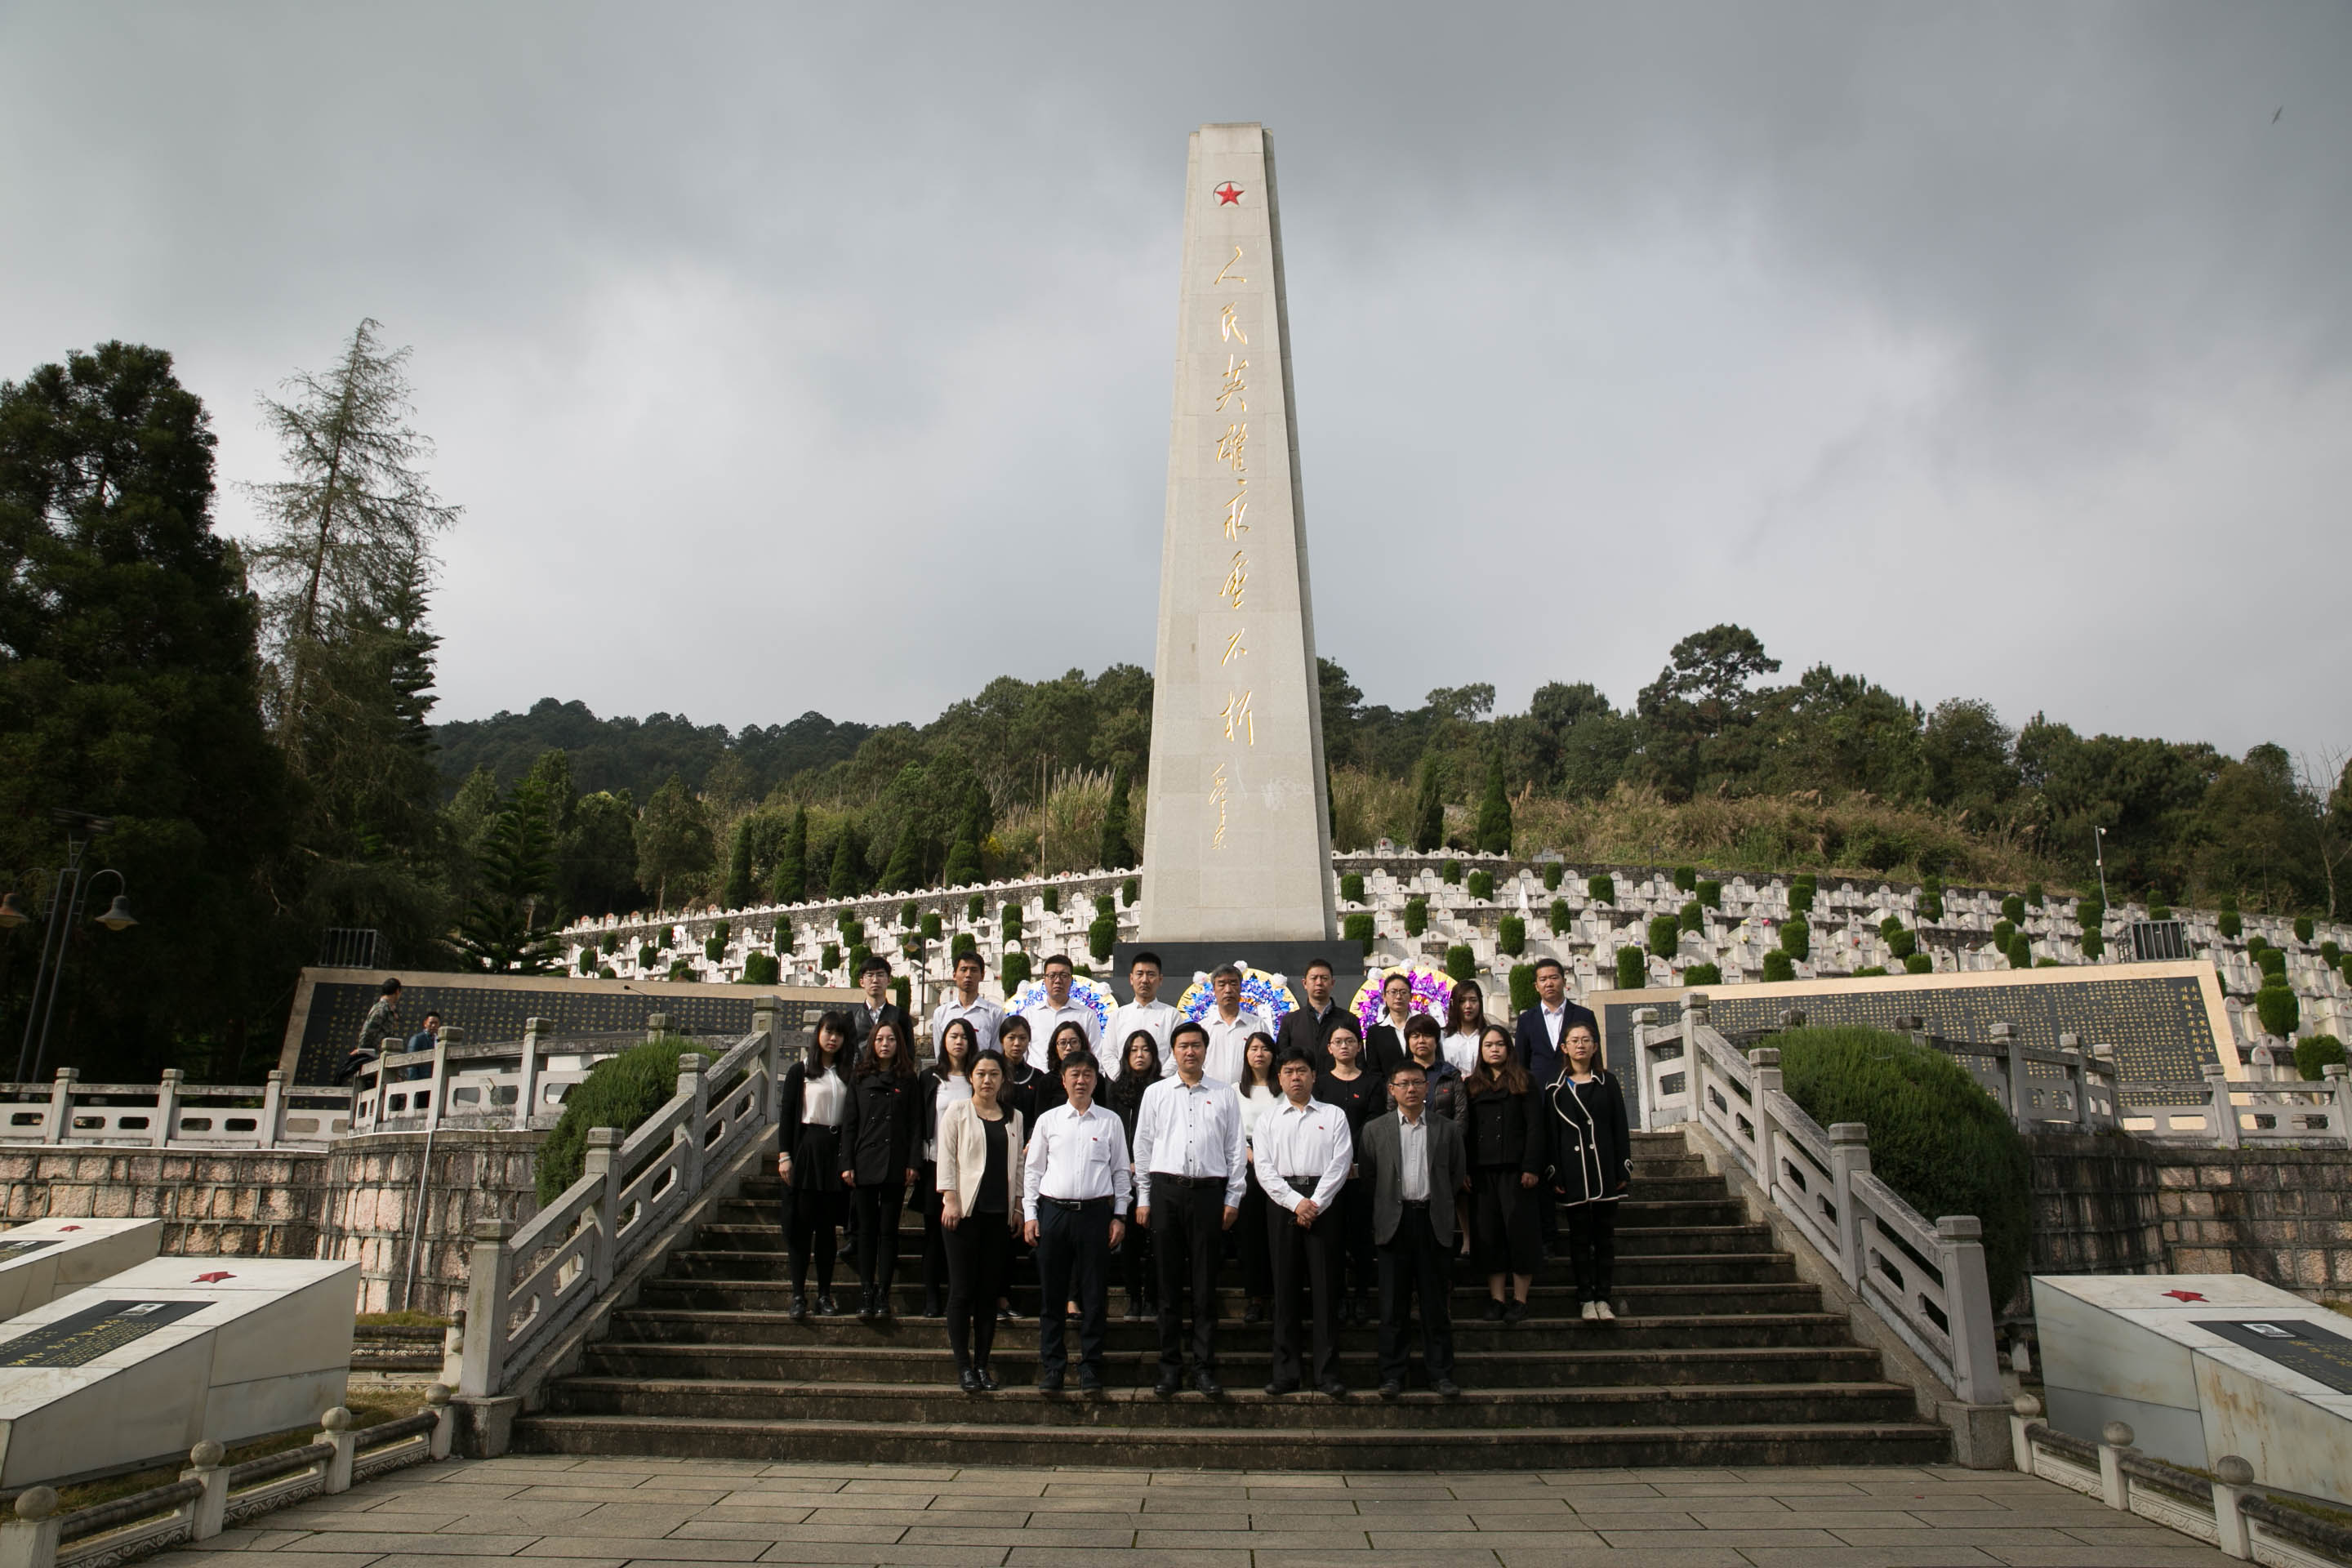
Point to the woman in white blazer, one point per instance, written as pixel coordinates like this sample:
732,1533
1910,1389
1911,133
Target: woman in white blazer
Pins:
979,1202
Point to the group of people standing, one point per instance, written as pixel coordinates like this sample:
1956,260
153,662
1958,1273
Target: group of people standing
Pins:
1346,1168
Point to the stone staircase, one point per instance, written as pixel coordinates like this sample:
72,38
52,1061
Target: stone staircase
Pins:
1720,1356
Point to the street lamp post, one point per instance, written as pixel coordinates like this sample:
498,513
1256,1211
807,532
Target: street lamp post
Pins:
2099,853
69,895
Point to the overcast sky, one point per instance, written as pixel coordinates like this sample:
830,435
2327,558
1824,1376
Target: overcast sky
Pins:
818,357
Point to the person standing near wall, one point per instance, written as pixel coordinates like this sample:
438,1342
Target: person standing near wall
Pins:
1593,1164
816,1098
877,1151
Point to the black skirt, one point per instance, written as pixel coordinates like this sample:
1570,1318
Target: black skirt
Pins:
816,1159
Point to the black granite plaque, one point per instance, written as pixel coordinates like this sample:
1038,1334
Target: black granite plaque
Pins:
11,1250
2321,1354
80,1338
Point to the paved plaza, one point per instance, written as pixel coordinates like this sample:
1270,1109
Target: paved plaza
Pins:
607,1513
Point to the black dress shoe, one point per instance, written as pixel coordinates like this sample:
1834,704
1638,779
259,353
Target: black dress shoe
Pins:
932,1308
1090,1386
798,1311
1004,1314
1517,1312
1390,1388
1206,1381
1049,1383
1255,1312
988,1379
969,1382
866,1308
1276,1390
1167,1385
1332,1388
1494,1310
1448,1388
825,1307
1135,1309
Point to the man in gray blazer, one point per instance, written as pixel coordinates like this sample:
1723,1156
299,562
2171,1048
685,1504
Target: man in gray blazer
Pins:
1416,1166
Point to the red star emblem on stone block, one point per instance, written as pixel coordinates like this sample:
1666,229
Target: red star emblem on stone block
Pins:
2186,1295
215,1277
64,1227
1228,195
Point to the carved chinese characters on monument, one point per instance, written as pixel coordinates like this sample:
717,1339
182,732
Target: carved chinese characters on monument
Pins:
83,1337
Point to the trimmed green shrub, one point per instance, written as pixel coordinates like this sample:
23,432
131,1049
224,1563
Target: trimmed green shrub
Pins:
606,972
2304,928
1692,917
1944,1144
1357,929
1903,943
1557,917
620,1093
647,955
1416,916
1102,936
1053,898
974,907
1130,890
1552,874
664,938
1931,898
1888,927
2347,969
1351,887
761,969
782,937
1600,889
1685,878
856,960
1015,973
2019,951
2255,946
1665,935
829,957
714,947
1452,872
1801,894
2330,955
2315,1053
1797,939
587,961
1919,963
681,969
2230,925
1869,972
1460,963
1523,987
2093,944
612,943
2047,964
1632,970
963,943
1703,974
901,989
2276,1007
1511,936
2270,960
2159,911
932,928
853,932
2002,933
2033,894
1710,893
1009,920
1481,885
1779,966
2012,908
908,912
2090,914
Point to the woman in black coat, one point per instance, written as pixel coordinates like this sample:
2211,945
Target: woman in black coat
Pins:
1503,1135
877,1153
816,1098
1139,1070
1592,1164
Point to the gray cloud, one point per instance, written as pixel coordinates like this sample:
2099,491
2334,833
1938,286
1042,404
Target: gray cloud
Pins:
792,359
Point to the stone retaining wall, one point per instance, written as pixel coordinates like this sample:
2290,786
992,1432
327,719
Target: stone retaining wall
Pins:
372,1210
2094,1206
2283,1215
216,1204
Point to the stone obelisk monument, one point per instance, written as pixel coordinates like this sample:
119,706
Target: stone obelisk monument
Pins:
1237,836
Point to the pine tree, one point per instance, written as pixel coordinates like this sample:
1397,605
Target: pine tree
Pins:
849,877
509,925
1494,814
1429,816
791,883
738,866
674,841
903,871
1118,851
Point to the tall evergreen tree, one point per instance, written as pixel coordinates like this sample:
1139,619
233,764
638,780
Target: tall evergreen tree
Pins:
673,842
509,925
738,866
1429,813
1495,812
791,883
1117,849
848,878
903,873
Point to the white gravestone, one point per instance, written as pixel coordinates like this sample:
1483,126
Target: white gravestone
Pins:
1237,839
2200,1365
44,1259
169,1354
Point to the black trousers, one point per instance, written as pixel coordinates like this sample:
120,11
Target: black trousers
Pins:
979,1254
1135,1263
1356,1237
1249,1235
1593,1250
878,1232
810,1220
1072,1265
935,1247
1188,1242
1414,1263
1309,1257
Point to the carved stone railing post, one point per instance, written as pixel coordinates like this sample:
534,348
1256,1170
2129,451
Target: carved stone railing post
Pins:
2023,1412
604,1143
273,1109
206,1463
489,1281
527,1085
30,1539
1764,1063
1849,1158
1968,1297
167,1108
2115,1441
2338,1079
656,1025
335,1429
766,1020
2013,1094
692,1084
58,1127
2225,1113
2233,1480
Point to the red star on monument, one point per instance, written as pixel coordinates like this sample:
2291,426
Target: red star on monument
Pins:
1228,194
2185,1295
215,1277
69,1228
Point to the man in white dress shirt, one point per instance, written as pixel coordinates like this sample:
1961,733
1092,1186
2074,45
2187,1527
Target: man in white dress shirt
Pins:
1057,1008
1147,1012
966,1002
1230,1025
1073,1201
1301,1151
1189,1176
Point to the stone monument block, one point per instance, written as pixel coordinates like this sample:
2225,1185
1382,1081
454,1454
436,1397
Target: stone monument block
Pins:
44,1259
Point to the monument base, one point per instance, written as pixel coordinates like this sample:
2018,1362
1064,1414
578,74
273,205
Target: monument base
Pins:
1179,961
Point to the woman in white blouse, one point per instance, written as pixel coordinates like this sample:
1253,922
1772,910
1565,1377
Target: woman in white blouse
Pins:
1466,1020
1260,1093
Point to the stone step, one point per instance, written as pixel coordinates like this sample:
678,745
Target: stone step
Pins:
1340,1444
1248,1407
739,1254
1485,1361
1545,1302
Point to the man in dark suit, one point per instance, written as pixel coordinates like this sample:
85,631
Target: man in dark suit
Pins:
874,977
1308,1028
1540,1026
1385,1049
1415,1164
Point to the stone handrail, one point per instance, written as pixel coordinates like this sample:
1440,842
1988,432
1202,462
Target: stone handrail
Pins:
2229,1114
213,1495
1925,1279
526,1286
518,1084
2228,1510
173,1113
